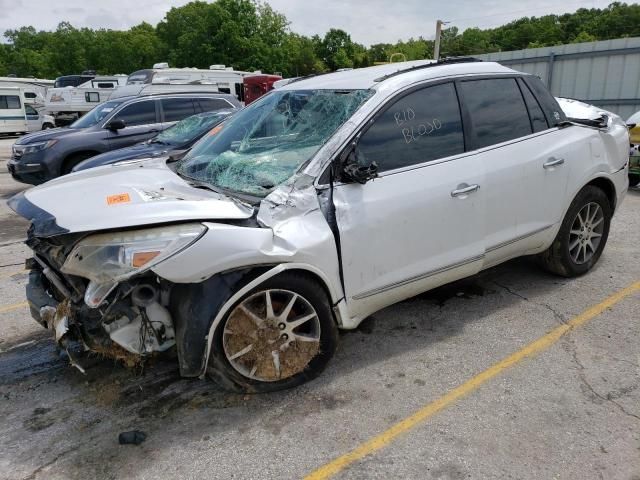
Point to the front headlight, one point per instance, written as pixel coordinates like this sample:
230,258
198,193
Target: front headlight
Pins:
36,147
109,258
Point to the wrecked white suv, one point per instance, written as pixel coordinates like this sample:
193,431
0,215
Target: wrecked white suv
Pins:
325,201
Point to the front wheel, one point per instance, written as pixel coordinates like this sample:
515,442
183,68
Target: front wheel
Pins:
582,235
279,335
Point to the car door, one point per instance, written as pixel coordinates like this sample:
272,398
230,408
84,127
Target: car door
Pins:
511,136
34,123
419,224
141,121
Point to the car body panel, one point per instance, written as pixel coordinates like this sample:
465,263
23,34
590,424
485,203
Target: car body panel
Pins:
130,195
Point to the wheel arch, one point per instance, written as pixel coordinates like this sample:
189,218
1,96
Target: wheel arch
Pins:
68,159
608,187
193,308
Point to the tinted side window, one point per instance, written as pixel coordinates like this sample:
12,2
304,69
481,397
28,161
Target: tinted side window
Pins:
211,104
497,111
421,126
10,101
177,109
538,120
139,113
551,109
30,110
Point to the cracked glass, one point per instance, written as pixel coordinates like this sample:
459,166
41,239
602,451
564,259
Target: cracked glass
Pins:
266,143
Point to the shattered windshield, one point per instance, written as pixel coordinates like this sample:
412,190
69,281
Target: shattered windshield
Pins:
190,128
96,115
264,144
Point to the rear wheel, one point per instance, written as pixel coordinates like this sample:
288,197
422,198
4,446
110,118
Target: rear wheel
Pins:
582,235
634,179
278,336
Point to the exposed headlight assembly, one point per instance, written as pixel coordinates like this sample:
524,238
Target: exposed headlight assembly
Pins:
109,258
35,147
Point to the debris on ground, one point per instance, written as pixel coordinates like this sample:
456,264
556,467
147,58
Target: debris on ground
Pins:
134,437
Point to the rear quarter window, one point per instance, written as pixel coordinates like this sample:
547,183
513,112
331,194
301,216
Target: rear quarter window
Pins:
549,105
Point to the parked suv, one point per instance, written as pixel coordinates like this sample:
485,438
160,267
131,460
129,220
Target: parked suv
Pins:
322,202
39,157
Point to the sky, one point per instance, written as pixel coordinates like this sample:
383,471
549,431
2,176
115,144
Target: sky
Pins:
368,21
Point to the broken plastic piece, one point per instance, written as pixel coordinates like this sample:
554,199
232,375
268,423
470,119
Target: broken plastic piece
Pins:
134,437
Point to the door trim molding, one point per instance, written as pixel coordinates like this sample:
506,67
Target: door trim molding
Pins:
516,239
416,278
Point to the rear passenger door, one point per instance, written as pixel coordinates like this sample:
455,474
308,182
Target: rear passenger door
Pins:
420,224
525,180
141,121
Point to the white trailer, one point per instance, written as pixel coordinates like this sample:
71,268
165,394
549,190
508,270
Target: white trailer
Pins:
35,89
162,79
13,117
69,103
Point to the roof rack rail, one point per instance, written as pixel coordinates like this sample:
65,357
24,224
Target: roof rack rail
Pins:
442,61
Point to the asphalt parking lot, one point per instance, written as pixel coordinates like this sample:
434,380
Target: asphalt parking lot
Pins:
510,374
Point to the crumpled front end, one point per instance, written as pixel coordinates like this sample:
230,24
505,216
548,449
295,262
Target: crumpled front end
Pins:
130,323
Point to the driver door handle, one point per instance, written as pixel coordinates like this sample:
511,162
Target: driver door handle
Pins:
553,162
464,189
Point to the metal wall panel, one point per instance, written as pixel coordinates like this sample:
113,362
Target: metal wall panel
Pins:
605,73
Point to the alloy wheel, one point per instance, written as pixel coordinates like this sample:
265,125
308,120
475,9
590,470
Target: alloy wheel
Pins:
586,233
271,335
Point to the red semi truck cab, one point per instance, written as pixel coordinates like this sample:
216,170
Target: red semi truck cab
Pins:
257,85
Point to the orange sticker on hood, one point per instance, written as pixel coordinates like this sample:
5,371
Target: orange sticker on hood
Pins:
119,198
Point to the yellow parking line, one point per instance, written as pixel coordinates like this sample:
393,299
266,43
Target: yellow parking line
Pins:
531,350
15,306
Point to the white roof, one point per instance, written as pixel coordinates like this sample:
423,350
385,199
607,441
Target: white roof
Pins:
365,78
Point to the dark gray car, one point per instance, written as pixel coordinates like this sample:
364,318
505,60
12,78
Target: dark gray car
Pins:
41,156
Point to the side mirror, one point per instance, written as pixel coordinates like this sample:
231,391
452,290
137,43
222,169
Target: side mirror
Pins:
115,125
354,169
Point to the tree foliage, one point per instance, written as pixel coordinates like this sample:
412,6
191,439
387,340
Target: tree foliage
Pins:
250,35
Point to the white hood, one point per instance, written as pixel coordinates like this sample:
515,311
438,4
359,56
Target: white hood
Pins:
143,193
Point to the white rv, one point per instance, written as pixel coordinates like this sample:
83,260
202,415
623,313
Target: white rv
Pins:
35,89
13,118
162,79
73,102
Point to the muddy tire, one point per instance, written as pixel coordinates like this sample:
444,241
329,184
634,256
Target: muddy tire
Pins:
582,235
279,335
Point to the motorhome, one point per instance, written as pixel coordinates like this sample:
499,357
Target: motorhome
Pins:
13,118
35,89
163,79
68,103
